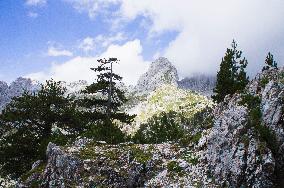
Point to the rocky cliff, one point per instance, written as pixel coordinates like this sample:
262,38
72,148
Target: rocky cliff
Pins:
243,148
161,72
15,89
203,84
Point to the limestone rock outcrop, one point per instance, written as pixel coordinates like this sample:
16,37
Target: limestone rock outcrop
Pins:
161,72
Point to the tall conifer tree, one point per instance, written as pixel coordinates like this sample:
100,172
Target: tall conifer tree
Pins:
231,77
269,62
103,101
27,123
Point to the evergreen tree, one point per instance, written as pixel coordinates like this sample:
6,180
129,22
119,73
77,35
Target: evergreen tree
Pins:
27,123
103,108
231,77
270,63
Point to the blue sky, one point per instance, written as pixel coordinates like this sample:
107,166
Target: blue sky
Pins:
63,38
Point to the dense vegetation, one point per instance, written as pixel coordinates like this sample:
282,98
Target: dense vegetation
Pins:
31,121
174,127
102,105
269,62
231,77
28,123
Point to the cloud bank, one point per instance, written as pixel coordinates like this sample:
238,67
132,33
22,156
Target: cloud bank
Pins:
35,2
55,52
130,67
205,28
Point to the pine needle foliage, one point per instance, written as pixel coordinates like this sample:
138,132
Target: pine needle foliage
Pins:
231,77
27,123
269,62
103,102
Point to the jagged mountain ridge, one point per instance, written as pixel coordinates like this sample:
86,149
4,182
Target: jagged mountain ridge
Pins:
161,72
16,88
231,153
200,83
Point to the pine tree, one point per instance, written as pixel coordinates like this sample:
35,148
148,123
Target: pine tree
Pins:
270,63
27,123
103,109
231,77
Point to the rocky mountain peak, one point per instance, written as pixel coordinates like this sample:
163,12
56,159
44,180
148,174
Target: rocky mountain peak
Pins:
16,88
200,83
161,72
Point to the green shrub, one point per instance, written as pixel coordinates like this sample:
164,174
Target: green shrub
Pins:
265,134
202,119
250,101
140,156
281,77
264,81
188,139
194,161
38,169
105,131
160,128
195,138
173,166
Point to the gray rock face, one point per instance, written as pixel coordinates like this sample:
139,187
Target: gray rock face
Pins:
96,164
160,72
3,94
61,168
235,153
15,89
232,153
203,84
74,88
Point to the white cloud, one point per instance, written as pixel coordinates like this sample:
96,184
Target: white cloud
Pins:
100,41
88,44
35,2
107,40
32,14
130,67
56,52
206,29
92,7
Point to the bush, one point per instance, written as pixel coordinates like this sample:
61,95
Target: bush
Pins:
160,128
105,131
202,119
264,81
26,126
265,134
173,126
281,77
173,166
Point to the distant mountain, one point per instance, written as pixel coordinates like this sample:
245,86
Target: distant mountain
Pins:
243,146
203,84
74,88
161,72
167,98
16,88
